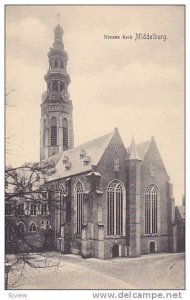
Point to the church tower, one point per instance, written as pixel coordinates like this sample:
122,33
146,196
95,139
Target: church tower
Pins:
56,124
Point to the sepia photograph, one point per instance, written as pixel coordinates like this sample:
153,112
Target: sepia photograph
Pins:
94,147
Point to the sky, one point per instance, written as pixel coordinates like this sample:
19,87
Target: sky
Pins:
137,86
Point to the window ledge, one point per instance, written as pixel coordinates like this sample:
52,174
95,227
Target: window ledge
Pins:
115,236
151,234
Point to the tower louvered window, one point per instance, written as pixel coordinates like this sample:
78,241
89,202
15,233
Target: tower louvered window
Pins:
115,208
65,134
80,198
62,86
53,132
151,209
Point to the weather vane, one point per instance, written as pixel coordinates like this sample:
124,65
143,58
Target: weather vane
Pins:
58,17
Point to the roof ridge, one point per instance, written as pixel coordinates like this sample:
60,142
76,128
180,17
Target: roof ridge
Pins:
148,141
100,137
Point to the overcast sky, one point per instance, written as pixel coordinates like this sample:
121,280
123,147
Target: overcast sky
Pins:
137,86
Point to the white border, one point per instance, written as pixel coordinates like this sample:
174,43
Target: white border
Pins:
74,294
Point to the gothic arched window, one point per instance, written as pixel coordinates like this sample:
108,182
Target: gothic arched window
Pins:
20,227
79,191
115,208
53,131
32,227
151,209
65,134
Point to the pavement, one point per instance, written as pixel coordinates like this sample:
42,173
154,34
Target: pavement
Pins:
155,271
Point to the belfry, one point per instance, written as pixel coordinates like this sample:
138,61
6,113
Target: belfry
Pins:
56,125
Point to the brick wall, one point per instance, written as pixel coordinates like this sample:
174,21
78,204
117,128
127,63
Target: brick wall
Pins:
160,179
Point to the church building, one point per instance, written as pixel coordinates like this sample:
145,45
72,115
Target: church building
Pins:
111,201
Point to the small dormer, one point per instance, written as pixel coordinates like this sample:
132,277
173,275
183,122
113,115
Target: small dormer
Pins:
65,159
86,160
68,165
82,153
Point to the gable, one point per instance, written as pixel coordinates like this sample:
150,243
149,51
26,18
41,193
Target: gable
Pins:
142,149
115,151
152,156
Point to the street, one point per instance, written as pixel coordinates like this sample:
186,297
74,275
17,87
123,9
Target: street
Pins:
156,271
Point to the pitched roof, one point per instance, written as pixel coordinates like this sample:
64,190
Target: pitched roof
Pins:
142,148
94,149
133,154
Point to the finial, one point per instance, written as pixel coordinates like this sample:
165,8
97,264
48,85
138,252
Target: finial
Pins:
133,154
58,31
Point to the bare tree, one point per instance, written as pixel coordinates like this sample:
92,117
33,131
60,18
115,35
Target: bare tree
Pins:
25,187
26,195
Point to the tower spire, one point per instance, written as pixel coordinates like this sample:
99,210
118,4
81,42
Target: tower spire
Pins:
56,108
58,37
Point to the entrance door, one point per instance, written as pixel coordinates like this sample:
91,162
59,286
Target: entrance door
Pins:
115,250
152,247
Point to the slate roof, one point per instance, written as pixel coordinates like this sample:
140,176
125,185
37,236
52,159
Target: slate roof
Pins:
94,150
